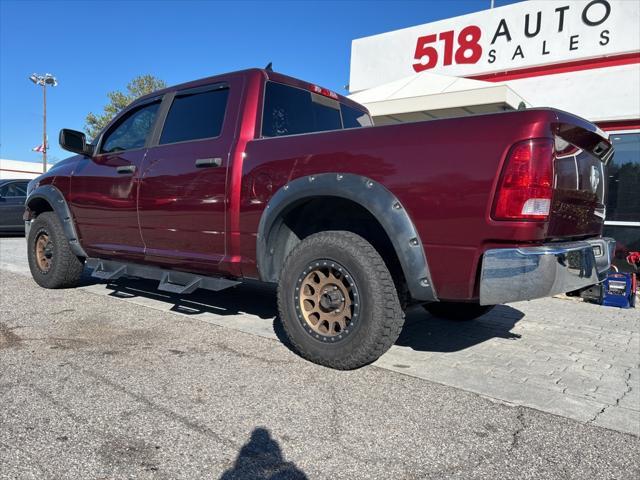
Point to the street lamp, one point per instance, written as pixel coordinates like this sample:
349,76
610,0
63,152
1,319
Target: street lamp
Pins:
44,80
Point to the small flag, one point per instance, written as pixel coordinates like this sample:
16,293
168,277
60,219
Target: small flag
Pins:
40,148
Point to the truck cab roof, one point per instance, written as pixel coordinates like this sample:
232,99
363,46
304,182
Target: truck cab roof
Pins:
268,75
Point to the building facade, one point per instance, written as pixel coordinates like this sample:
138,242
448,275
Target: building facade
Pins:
19,169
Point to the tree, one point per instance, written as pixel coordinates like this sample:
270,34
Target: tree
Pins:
136,88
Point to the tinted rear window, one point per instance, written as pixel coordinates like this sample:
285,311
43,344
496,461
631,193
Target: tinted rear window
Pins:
354,118
326,113
290,110
286,111
194,116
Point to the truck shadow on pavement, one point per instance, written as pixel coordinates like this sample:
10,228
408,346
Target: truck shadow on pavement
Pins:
421,332
261,459
424,332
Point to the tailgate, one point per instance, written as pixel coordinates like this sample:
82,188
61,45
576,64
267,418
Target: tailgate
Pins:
582,153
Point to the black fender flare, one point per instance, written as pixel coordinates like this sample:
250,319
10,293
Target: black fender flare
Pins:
372,196
55,198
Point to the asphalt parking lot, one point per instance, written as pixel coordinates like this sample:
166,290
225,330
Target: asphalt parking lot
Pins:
120,381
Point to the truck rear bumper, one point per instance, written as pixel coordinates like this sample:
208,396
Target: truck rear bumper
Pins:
513,274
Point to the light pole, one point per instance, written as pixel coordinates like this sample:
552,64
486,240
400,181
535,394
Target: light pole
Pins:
44,80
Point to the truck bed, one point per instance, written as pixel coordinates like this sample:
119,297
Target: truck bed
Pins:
445,173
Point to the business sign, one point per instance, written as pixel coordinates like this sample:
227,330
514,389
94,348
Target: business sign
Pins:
517,36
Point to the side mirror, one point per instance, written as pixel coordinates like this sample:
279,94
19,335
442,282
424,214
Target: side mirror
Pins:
75,142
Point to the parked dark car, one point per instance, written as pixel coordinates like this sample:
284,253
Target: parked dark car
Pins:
13,193
257,175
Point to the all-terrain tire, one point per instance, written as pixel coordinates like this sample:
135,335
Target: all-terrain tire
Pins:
51,261
457,311
376,315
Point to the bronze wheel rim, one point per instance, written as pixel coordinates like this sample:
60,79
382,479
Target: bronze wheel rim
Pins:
327,301
44,252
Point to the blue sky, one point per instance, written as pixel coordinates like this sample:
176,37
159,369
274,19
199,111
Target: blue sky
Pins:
97,46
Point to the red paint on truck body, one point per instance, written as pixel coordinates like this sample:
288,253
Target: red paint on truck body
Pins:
444,172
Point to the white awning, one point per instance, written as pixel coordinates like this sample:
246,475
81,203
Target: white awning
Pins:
429,96
18,169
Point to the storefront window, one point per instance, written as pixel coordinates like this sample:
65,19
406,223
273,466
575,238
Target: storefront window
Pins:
623,204
623,199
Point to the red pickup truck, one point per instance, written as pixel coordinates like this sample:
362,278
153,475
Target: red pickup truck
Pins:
257,175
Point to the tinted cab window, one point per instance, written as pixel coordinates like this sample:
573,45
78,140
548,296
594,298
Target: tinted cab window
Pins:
290,110
195,115
131,131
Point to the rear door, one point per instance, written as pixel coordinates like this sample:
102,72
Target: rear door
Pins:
103,194
182,187
12,197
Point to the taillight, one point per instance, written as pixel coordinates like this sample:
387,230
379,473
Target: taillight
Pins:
526,185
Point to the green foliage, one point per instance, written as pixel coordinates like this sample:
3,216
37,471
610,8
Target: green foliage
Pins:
139,86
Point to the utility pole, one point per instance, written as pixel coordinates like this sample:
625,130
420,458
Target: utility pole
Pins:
44,128
44,80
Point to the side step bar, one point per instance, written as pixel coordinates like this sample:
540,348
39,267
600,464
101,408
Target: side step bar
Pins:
170,280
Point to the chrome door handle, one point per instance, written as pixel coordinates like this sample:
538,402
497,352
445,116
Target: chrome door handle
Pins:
126,169
208,162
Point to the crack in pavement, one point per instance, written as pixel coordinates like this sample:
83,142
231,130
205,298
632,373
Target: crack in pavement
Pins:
627,381
474,462
167,412
515,436
189,423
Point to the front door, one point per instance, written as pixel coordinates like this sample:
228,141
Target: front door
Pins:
182,187
103,194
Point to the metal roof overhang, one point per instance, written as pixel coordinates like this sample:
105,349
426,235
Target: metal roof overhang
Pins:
430,96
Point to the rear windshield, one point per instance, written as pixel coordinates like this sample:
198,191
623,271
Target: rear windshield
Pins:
290,110
354,118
